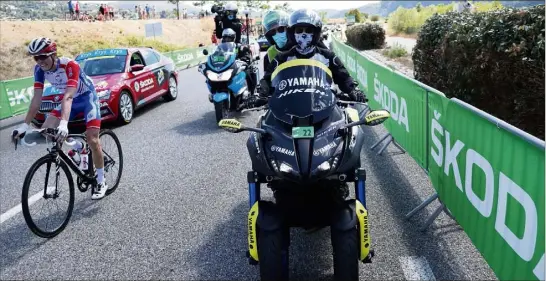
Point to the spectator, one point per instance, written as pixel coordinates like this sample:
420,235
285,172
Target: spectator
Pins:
213,38
147,11
153,12
106,14
111,12
77,8
71,9
101,12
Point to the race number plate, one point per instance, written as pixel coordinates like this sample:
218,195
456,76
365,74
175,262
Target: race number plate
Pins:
303,132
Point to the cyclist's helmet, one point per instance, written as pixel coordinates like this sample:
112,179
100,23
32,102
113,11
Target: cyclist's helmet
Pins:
228,35
273,22
42,46
304,21
231,11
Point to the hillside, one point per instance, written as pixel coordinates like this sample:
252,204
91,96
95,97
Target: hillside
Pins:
384,8
75,37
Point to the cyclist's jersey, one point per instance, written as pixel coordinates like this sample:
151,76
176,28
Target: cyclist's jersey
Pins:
67,74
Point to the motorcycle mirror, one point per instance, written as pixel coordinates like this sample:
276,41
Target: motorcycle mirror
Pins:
373,118
205,52
234,126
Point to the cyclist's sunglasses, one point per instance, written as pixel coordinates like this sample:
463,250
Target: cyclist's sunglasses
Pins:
279,29
40,57
303,29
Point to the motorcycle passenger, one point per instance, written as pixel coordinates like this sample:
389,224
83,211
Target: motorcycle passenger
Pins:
304,30
245,54
275,24
79,97
227,19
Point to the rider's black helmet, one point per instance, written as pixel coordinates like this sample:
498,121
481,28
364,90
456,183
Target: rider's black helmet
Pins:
228,35
305,18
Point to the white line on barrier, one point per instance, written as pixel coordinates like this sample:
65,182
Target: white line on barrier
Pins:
416,268
539,269
15,210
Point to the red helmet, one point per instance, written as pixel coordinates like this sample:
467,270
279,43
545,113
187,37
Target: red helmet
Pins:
42,46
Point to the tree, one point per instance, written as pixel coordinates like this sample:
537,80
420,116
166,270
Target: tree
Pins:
419,7
177,2
374,18
355,13
323,16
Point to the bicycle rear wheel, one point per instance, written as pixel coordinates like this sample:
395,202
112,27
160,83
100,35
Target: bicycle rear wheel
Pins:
113,159
53,193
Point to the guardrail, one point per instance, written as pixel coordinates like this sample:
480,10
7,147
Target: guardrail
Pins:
15,95
488,174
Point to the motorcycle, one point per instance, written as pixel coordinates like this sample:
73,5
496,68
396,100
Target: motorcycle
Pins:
226,79
306,148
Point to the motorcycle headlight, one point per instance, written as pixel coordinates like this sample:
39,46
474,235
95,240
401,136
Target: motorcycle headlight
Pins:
104,94
224,76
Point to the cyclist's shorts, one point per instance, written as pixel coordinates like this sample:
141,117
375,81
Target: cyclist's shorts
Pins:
88,104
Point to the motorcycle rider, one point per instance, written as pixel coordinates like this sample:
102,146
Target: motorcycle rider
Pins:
304,29
227,19
245,54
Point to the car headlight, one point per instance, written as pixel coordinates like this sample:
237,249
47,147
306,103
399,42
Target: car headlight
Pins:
224,76
104,94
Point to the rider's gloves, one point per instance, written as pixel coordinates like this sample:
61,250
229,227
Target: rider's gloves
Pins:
62,129
263,89
358,96
22,129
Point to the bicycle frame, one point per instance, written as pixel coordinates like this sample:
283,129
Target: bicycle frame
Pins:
57,152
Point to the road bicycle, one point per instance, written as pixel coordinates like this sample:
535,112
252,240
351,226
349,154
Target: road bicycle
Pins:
86,177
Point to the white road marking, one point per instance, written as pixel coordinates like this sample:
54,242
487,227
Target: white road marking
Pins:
15,210
416,268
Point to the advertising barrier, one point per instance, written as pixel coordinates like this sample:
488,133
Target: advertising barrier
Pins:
489,174
15,95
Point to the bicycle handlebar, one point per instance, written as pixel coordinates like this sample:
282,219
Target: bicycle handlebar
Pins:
48,131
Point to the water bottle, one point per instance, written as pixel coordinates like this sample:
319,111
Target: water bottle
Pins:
84,160
75,156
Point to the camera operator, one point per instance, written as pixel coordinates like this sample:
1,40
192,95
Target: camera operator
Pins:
227,18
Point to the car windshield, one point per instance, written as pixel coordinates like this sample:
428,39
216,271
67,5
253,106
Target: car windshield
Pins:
222,53
302,89
103,65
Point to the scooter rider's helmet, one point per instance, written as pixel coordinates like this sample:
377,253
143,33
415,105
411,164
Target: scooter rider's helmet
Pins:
301,24
230,11
228,35
274,22
42,46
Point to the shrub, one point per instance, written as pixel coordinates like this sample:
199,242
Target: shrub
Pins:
492,60
395,51
366,36
374,18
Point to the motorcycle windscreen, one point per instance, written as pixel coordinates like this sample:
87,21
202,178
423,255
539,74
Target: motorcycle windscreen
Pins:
222,54
302,89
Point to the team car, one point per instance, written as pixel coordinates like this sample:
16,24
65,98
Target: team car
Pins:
125,79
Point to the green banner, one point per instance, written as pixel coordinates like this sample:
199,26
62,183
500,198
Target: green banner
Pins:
493,183
15,95
389,90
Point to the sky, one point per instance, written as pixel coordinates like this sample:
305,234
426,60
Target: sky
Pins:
336,5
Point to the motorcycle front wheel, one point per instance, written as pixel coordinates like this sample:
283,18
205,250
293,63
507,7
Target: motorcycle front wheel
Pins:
221,110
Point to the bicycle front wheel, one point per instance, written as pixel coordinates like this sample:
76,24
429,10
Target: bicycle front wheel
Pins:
49,194
113,159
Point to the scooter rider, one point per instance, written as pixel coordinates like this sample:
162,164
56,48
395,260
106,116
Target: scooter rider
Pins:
304,30
243,54
227,18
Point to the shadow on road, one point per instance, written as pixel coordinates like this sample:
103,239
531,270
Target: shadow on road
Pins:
223,255
206,125
402,199
18,241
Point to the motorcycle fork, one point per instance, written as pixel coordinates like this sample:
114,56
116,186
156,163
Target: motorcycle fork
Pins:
254,197
366,252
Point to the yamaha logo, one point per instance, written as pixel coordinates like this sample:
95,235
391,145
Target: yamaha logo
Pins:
283,85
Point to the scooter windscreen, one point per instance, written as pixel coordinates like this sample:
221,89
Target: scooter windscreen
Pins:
221,56
302,89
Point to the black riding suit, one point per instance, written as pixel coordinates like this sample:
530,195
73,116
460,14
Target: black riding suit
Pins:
222,23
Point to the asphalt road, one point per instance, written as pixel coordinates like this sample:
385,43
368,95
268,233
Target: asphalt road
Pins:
180,210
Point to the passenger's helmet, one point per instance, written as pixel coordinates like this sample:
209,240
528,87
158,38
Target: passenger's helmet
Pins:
42,46
272,20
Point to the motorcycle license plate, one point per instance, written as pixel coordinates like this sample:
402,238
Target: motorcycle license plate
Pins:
218,59
303,132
